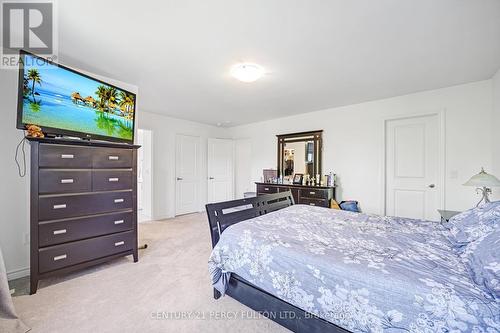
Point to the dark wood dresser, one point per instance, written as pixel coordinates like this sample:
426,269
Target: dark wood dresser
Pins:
306,195
83,205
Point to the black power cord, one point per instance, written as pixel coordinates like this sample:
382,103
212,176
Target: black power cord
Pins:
21,166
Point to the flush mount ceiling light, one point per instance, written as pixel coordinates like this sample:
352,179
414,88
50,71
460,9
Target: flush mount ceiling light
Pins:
247,72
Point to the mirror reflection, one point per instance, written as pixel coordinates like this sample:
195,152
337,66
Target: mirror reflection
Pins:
299,158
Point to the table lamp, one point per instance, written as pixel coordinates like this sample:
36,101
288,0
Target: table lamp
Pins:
483,183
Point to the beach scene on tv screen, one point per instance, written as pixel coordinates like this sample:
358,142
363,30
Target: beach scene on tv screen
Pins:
58,98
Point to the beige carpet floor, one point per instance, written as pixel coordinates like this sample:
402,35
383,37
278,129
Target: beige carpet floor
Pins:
170,280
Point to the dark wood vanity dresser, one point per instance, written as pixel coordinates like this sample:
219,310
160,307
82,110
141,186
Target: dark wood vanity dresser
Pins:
304,150
302,194
83,205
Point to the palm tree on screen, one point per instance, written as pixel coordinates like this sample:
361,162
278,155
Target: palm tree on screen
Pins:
112,95
126,102
102,93
34,77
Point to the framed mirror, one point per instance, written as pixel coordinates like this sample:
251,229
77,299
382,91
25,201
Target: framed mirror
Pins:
299,154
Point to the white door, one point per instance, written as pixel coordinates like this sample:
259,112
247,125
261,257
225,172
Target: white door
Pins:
220,170
412,167
187,174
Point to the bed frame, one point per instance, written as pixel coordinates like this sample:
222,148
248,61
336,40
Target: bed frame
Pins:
224,214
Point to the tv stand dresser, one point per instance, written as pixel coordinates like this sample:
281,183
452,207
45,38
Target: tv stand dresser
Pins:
83,205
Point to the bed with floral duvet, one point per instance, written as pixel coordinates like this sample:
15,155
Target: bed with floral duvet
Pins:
368,273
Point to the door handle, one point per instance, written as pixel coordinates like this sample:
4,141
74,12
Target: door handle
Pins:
211,178
431,185
179,178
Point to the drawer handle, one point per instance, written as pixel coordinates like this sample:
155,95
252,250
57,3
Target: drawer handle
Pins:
59,232
120,243
312,204
312,192
61,206
67,181
67,156
113,179
119,221
266,188
61,257
113,158
119,200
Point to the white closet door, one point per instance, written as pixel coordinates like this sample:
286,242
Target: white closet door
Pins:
187,174
220,170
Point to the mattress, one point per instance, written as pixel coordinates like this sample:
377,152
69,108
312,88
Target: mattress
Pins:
362,272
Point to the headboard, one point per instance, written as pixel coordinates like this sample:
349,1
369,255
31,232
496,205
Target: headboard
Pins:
223,214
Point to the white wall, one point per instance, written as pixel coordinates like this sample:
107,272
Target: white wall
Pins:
145,188
353,140
496,132
14,217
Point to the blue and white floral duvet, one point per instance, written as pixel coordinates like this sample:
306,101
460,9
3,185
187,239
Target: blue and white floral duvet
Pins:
362,272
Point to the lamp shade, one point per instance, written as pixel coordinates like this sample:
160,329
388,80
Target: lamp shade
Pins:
483,179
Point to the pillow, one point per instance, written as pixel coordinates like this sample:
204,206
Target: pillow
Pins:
482,258
473,224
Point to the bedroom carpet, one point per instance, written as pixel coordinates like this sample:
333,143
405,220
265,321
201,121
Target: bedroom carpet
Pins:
168,290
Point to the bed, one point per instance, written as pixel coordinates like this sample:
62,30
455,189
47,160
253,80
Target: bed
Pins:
313,269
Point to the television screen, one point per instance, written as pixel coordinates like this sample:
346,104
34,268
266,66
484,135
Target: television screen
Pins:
63,101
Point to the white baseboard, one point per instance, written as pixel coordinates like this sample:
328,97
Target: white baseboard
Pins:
18,273
161,217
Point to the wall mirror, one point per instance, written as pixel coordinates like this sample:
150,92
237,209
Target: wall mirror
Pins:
300,153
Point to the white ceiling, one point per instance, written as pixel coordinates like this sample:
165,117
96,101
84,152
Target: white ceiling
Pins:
319,53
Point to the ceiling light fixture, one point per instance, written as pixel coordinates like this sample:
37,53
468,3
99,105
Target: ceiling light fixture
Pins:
247,72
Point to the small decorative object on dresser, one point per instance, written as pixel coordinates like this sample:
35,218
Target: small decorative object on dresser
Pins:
297,178
83,205
269,175
34,131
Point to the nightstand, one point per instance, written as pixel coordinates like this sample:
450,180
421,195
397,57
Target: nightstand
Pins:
446,215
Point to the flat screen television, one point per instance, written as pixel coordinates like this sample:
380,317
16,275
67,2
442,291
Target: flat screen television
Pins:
63,101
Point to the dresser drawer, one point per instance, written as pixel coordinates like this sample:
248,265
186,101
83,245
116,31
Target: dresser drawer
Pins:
60,256
108,180
313,193
58,232
314,202
113,158
60,156
266,189
64,206
64,181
